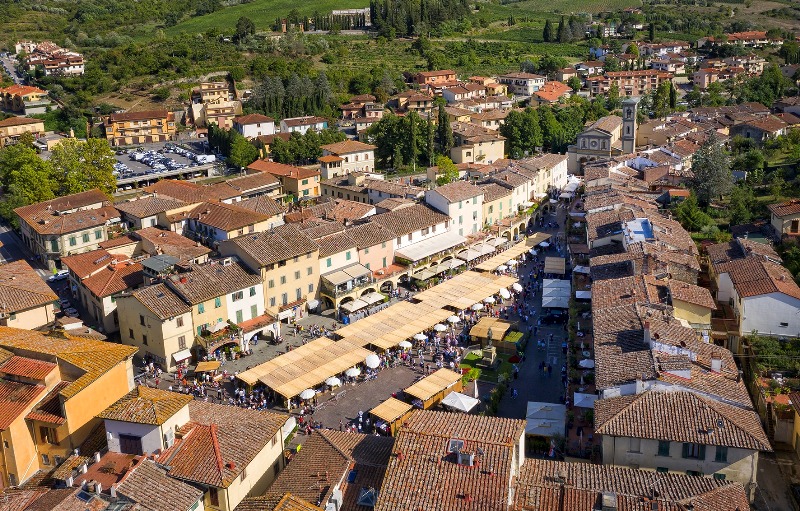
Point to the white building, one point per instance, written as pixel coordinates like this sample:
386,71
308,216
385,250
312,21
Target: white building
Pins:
422,232
342,158
522,84
254,125
303,124
461,201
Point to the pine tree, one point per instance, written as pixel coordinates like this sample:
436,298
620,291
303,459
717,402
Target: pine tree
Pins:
547,34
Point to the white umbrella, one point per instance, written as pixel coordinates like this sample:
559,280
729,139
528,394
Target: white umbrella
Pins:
477,307
453,319
405,344
439,327
502,267
512,262
544,244
307,394
352,372
489,300
517,287
333,381
420,337
505,294
533,251
372,361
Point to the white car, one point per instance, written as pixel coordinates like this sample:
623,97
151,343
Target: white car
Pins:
61,275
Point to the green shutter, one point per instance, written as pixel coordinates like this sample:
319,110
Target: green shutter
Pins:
686,448
702,455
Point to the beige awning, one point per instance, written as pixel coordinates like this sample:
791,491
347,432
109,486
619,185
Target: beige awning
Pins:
431,385
555,265
391,410
205,367
345,275
499,328
354,305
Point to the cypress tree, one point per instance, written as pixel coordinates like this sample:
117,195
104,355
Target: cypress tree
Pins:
547,34
560,30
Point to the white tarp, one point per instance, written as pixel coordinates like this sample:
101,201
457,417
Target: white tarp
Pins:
557,302
586,363
354,305
583,295
545,419
583,400
460,402
581,269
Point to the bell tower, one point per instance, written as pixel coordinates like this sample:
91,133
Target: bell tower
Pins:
630,108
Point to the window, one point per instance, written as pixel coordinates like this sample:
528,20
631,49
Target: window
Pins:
721,456
48,435
383,245
238,295
460,219
283,279
311,288
309,270
179,321
347,255
491,208
201,308
213,496
663,448
694,451
635,445
284,298
182,342
474,200
272,302
328,262
694,473
298,293
98,234
296,258
85,237
662,470
410,236
239,317
244,474
304,182
144,339
253,311
141,320
297,275
719,477
130,333
54,245
200,330
275,440
366,250
72,241
271,283
252,291
45,459
460,204
784,324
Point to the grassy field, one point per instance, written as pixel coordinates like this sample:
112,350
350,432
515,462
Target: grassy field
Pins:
262,12
470,361
555,8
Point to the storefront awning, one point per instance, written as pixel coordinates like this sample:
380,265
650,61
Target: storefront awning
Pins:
345,275
469,254
354,305
373,297
430,246
182,355
205,367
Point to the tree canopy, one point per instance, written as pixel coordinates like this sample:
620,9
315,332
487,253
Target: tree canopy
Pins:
712,171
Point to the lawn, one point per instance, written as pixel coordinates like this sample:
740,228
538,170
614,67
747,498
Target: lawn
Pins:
471,361
262,12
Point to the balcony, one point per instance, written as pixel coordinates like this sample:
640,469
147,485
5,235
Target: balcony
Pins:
345,281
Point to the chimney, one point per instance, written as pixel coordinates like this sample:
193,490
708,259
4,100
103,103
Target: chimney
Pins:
69,481
97,457
98,488
113,491
716,363
647,340
84,468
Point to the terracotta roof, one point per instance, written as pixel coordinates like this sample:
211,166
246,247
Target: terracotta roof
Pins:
161,301
335,244
329,158
243,185
225,217
422,459
211,280
144,405
304,121
348,146
317,229
185,191
788,208
219,443
110,470
114,279
370,234
148,206
552,91
341,454
88,263
278,244
171,243
252,119
407,220
273,501
524,76
691,294
119,241
343,210
755,277
139,116
151,487
262,204
15,397
394,203
458,191
546,485
18,121
93,358
443,72
607,124
21,288
64,214
27,367
493,192
739,248
704,421
279,169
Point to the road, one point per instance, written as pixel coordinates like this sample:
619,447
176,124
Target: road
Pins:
10,69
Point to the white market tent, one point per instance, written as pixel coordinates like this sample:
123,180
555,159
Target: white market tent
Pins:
580,400
545,419
459,402
555,293
581,269
583,295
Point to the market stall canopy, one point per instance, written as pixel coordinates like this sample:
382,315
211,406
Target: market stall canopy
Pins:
555,302
345,275
354,305
373,297
460,402
391,410
546,419
556,265
431,246
182,355
206,367
583,400
512,253
469,254
499,328
583,295
581,269
431,385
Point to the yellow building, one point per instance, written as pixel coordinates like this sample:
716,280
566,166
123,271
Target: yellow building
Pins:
288,261
299,182
692,304
24,99
497,202
476,144
68,225
13,127
140,127
212,222
157,322
785,217
27,299
51,390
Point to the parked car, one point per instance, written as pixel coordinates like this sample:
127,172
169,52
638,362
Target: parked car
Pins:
60,275
71,312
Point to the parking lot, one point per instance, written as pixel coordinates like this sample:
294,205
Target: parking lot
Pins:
157,159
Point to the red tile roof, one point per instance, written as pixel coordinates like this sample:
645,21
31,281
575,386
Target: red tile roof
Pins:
279,169
14,399
21,288
27,367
